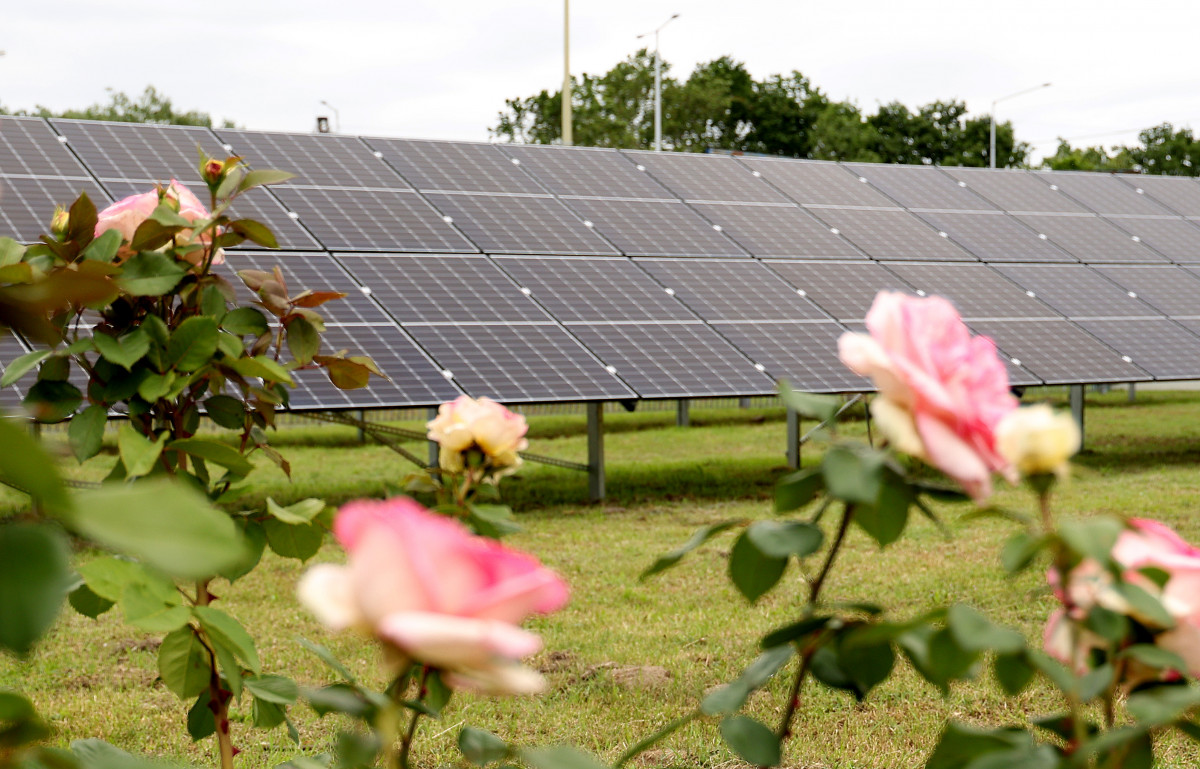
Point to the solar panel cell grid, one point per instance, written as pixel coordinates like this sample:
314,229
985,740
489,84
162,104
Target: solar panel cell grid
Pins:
28,146
1076,290
520,225
583,290
920,187
1161,347
1091,239
10,350
372,220
680,360
1059,352
975,289
586,171
1015,190
1174,238
1169,289
443,289
312,272
804,354
27,204
694,176
777,231
529,364
654,228
316,159
454,166
1181,195
892,235
996,237
731,291
822,184
845,290
140,152
1102,193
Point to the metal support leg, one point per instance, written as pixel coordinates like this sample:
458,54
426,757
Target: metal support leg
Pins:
433,446
793,439
1077,404
595,443
362,417
743,403
683,417
1132,393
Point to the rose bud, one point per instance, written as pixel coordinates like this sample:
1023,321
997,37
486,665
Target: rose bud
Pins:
60,222
214,171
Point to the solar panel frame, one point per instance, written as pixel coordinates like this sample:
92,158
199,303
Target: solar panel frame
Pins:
453,166
29,147
1091,238
319,160
654,227
1101,192
1015,191
777,231
139,152
1162,347
1076,290
920,187
586,172
895,234
844,290
1060,352
989,236
741,290
27,203
803,354
814,183
520,224
705,177
976,290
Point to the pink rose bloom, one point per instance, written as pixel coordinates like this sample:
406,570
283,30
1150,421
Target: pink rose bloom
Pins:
126,215
465,422
942,391
435,594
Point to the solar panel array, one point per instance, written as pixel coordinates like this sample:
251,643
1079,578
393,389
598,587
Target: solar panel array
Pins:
534,274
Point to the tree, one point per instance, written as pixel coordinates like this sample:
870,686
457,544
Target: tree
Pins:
1167,151
1068,158
150,107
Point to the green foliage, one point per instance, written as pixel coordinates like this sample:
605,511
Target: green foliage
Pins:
34,576
148,107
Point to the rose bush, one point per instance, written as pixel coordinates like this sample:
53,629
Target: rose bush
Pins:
942,391
435,594
126,215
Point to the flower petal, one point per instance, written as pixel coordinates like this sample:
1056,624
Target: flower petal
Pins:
328,592
453,643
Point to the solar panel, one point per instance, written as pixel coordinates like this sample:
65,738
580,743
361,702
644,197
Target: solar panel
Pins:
1014,190
415,380
777,231
892,235
531,364
139,151
1169,289
679,360
519,224
322,160
10,350
1059,352
845,290
1161,347
976,290
1181,195
27,203
804,354
731,290
996,237
443,289
1175,238
372,220
654,227
822,184
313,272
586,171
593,290
1102,193
1075,290
454,166
920,187
256,204
29,147
694,176
1090,238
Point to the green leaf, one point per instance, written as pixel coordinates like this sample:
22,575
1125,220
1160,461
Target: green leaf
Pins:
732,696
149,274
853,476
183,663
356,751
753,742
327,657
561,757
155,386
1161,705
86,431
967,747
52,401
752,572
867,665
798,489
24,462
885,520
139,454
1145,607
299,513
123,352
193,343
303,341
437,693
108,576
776,539
201,722
1155,657
164,524
22,365
481,747
245,321
104,248
1093,538
263,176
85,601
1020,550
291,541
226,411
1013,672
268,715
822,408
273,688
255,543
226,631
255,232
701,536
262,367
340,698
974,632
494,521
11,252
153,610
794,631
34,576
216,452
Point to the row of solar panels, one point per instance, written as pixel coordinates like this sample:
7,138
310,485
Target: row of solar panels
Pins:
553,311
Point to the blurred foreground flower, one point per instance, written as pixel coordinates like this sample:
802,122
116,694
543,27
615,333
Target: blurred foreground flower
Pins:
942,391
127,214
435,594
465,423
1036,440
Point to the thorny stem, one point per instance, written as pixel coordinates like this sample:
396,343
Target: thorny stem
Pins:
406,743
218,697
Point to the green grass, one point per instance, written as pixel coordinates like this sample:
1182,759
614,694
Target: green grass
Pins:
97,678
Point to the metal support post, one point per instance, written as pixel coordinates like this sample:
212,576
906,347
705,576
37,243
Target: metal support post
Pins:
1077,404
793,438
743,402
434,448
1132,394
595,448
683,417
362,417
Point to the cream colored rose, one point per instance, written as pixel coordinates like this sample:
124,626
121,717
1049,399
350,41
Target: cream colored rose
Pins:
1036,439
465,422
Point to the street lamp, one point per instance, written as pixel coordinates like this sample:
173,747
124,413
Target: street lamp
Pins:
992,143
337,118
658,82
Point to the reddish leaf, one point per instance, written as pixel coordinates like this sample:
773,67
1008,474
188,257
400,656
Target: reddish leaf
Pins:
315,298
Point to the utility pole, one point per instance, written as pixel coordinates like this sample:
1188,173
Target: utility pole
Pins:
567,138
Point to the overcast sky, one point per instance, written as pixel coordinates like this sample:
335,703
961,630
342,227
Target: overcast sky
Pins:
442,69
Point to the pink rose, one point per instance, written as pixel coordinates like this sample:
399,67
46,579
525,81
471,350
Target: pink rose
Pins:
126,215
942,391
465,422
435,594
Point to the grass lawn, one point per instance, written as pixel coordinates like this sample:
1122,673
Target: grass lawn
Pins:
626,657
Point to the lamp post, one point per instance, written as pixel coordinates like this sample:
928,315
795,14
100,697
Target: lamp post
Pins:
658,82
337,118
992,143
567,137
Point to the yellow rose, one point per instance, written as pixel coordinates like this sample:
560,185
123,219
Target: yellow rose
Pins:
1037,440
